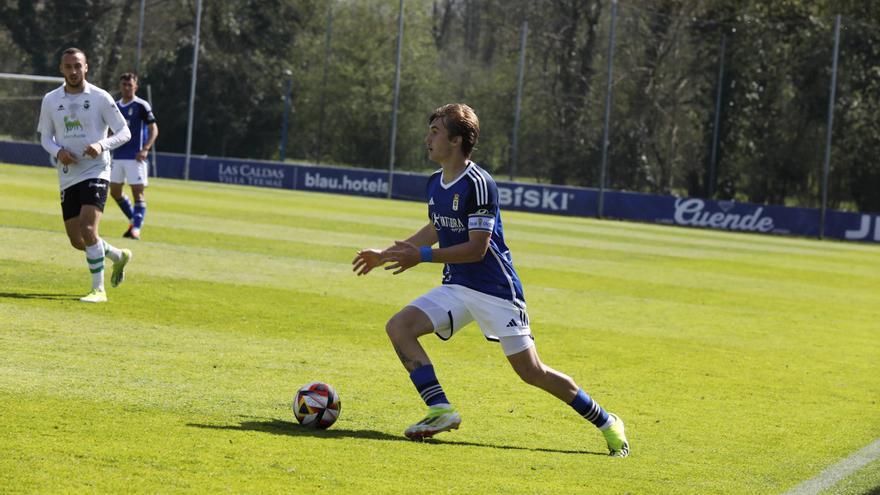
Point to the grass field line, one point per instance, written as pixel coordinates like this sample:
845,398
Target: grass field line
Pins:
219,196
214,264
206,263
672,236
684,277
838,471
58,352
680,234
239,227
691,253
552,242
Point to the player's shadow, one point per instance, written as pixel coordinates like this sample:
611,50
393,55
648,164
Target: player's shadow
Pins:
289,428
37,295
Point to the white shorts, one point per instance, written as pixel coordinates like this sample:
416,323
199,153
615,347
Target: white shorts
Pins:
452,307
131,171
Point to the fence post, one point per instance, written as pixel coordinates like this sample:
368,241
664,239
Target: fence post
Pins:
153,151
710,182
514,145
327,37
607,131
192,90
394,105
283,149
140,37
827,166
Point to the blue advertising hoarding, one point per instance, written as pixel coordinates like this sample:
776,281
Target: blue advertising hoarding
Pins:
560,200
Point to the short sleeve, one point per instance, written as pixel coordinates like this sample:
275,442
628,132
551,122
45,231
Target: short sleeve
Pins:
149,118
483,203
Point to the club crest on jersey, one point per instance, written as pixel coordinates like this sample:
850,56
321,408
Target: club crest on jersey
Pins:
455,202
130,111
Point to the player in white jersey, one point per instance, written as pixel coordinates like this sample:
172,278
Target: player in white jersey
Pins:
130,159
479,282
73,125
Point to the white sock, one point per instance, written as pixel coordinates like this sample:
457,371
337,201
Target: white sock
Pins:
95,259
607,423
115,254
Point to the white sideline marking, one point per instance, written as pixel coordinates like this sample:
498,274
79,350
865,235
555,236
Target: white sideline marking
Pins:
836,472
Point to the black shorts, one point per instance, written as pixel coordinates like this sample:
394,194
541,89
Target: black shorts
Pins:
87,192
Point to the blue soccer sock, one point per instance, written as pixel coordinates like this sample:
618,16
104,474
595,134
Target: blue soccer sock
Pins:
125,206
591,410
140,211
429,388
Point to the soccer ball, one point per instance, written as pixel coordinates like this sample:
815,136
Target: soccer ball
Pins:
316,405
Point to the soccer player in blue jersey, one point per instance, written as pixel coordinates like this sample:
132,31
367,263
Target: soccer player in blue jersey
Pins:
130,159
479,282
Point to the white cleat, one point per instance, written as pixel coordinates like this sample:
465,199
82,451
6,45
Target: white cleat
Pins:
95,296
118,274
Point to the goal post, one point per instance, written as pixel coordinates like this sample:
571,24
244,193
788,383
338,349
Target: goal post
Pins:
32,78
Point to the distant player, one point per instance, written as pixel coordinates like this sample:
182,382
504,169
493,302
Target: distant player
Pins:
73,128
479,282
130,159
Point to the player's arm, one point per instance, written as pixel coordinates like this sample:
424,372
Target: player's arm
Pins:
114,120
405,255
481,222
367,259
153,130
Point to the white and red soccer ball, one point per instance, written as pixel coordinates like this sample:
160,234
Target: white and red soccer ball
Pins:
316,405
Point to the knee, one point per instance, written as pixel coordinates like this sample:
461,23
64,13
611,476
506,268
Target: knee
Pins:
78,244
403,328
89,235
532,374
395,328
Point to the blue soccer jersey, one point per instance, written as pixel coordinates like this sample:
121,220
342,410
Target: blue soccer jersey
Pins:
470,202
139,115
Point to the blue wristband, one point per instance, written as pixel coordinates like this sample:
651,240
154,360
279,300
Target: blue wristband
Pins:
427,253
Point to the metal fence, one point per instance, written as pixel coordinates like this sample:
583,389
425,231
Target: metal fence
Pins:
604,94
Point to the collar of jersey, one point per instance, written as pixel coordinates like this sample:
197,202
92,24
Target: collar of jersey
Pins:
462,174
87,89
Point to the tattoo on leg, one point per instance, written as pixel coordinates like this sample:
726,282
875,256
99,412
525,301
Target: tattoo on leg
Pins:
408,363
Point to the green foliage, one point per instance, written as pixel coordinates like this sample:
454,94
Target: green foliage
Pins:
740,363
341,56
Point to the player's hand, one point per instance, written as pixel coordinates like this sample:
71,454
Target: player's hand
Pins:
93,150
66,157
366,260
142,155
403,256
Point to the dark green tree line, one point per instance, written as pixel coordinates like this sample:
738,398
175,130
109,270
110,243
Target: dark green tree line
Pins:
340,56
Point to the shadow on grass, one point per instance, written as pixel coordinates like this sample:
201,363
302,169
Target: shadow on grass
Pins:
25,295
289,428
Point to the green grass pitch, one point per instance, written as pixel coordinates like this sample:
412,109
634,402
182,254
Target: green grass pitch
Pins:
740,363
